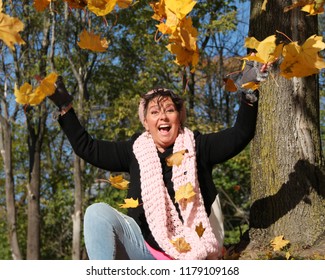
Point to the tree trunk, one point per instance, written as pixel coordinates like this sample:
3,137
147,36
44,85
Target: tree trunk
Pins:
6,152
35,139
288,181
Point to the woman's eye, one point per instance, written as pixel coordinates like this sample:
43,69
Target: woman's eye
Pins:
154,113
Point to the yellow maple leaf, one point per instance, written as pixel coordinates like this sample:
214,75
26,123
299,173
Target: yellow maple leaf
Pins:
130,203
118,182
200,229
181,245
250,85
176,158
267,51
101,7
180,7
159,10
184,195
47,85
41,5
302,61
9,30
27,95
90,41
77,4
278,243
312,10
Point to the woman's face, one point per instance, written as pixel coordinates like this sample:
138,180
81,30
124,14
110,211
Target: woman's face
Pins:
163,122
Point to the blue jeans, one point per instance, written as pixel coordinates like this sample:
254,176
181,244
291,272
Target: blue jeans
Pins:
111,235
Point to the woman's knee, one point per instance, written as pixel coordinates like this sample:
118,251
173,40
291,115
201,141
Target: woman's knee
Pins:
100,212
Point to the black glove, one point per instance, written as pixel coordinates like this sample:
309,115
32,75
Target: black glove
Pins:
61,98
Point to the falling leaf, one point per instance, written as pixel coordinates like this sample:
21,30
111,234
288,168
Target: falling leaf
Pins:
41,5
200,229
302,61
313,7
9,30
130,203
279,243
176,158
181,245
250,85
230,85
311,10
180,7
90,41
185,193
267,51
118,182
101,7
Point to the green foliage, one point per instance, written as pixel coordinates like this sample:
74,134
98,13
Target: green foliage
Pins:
232,179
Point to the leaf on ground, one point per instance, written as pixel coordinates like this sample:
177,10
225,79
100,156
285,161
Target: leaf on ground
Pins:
130,203
181,245
278,243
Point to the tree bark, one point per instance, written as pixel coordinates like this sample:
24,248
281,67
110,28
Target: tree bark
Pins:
6,152
288,179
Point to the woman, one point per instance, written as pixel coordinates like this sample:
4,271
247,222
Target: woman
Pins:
179,214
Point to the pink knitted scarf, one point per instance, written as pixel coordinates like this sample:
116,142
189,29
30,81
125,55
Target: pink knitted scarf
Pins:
160,211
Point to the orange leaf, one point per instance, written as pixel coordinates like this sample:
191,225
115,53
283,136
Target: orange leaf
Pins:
130,203
47,85
181,245
200,229
118,182
230,85
9,30
176,158
278,243
41,5
90,41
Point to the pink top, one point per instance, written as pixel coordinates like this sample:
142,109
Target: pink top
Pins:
157,254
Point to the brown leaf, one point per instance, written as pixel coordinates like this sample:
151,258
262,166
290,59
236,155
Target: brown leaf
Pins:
200,229
181,245
176,158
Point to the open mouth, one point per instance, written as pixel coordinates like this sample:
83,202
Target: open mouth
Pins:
164,128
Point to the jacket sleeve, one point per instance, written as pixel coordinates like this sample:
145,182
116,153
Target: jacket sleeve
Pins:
220,146
108,155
